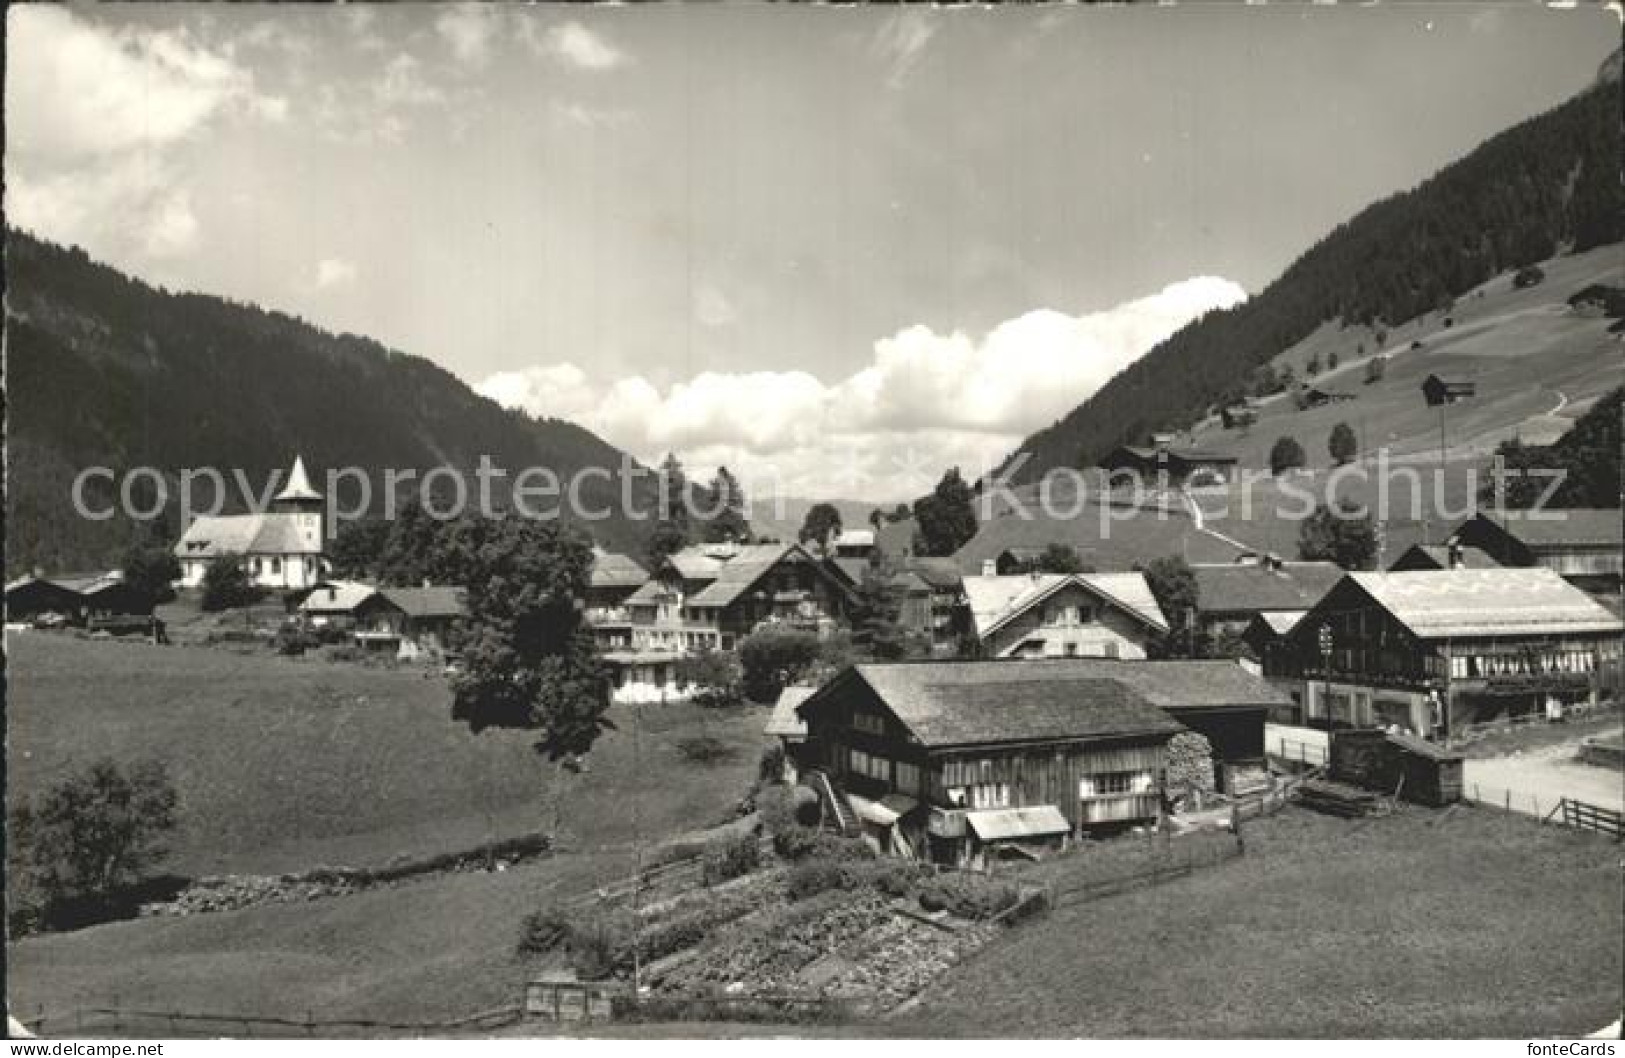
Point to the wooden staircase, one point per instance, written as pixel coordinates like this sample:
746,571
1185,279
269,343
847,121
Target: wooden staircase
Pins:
839,809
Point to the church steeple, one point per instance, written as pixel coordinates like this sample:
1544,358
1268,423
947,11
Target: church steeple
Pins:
297,493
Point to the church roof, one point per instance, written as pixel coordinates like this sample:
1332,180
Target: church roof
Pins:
298,486
210,536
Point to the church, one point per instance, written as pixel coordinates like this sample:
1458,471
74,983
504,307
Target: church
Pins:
279,548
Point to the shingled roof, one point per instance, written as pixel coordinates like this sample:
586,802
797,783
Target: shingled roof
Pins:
210,536
1574,527
1251,587
1484,603
971,703
613,570
994,601
738,574
432,601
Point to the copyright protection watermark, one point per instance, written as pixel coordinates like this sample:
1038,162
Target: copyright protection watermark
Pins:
1380,488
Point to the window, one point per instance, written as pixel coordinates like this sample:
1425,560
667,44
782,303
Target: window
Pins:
276,565
868,722
908,777
1072,650
1115,784
990,795
868,765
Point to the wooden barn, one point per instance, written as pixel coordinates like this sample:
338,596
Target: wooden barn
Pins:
1580,544
963,762
30,598
1391,762
1437,391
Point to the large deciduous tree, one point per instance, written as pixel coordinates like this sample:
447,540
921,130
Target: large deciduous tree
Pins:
820,526
1173,585
1342,444
1337,534
528,656
946,519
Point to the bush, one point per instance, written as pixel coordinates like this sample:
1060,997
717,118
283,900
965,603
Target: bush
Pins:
810,879
770,658
89,836
1190,763
226,585
1375,368
771,767
544,930
706,749
798,842
293,641
1528,276
973,896
889,877
727,858
600,943
793,842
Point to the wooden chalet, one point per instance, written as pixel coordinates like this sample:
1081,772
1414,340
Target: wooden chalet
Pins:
1582,545
1035,615
1437,391
1319,396
1430,652
1230,594
961,762
1163,459
1236,416
410,621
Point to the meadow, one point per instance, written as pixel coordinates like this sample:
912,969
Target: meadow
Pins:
1458,923
283,764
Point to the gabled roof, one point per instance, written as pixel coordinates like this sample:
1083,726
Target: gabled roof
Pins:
336,596
1439,556
996,601
738,574
1199,684
942,574
613,570
1483,603
1247,587
974,703
1280,622
439,600
1573,527
210,536
649,593
785,721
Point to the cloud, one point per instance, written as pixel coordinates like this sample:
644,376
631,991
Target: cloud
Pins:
402,84
924,401
575,44
468,28
334,272
95,116
900,43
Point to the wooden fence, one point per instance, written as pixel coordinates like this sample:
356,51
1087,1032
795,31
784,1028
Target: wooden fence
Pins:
1580,815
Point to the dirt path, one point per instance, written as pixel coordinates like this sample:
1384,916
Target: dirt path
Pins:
1542,777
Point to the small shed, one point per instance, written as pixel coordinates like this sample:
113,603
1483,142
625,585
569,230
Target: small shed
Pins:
1423,772
1437,391
30,597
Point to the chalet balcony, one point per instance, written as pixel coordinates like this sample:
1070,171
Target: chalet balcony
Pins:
608,616
1118,808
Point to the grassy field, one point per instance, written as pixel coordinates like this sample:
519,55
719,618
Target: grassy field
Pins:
285,764
1528,353
1467,923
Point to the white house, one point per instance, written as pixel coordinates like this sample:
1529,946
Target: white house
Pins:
279,548
1038,615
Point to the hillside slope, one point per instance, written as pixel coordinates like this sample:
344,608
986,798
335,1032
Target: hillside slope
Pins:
104,370
1546,186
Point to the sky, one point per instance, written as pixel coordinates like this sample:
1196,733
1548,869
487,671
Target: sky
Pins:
836,249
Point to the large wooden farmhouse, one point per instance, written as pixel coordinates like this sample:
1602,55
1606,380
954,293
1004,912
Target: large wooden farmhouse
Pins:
1583,545
1036,615
961,761
1431,652
279,548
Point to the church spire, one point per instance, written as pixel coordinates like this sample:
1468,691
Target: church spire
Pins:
298,485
